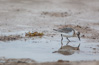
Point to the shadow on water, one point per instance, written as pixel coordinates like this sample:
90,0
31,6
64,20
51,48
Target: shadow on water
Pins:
67,50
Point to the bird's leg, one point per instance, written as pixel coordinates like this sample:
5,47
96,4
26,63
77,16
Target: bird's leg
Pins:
61,40
67,41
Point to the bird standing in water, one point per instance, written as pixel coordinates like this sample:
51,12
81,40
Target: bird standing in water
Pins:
68,32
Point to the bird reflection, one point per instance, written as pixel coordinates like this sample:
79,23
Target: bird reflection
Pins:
67,50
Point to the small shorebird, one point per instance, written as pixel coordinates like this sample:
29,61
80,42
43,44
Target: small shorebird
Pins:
68,32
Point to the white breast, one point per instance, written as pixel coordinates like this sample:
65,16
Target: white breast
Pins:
70,34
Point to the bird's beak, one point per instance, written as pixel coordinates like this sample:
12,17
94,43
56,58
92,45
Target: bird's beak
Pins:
78,37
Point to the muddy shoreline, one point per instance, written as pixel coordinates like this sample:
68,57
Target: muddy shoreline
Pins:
23,61
18,17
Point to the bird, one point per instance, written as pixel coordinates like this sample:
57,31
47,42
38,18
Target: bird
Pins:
68,32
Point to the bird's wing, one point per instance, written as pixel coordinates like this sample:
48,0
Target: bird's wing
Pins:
66,30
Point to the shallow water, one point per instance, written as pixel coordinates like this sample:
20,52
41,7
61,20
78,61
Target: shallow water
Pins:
40,49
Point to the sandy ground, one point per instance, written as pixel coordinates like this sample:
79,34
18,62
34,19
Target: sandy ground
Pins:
25,61
20,16
44,15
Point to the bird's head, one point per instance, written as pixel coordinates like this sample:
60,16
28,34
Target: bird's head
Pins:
78,35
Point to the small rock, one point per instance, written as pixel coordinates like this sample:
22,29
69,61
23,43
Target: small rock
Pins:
60,61
83,36
93,38
78,26
94,48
